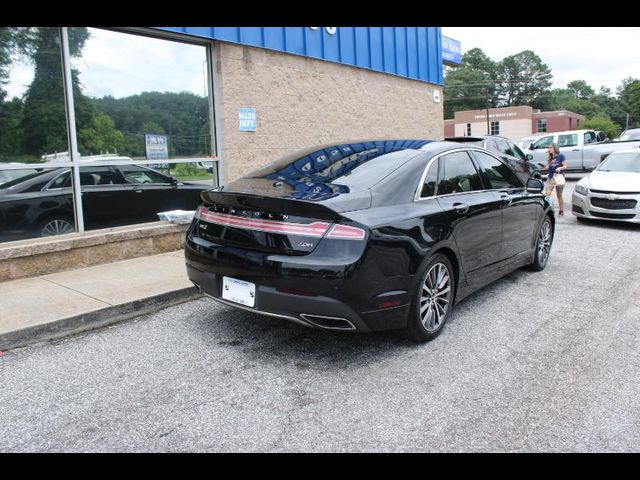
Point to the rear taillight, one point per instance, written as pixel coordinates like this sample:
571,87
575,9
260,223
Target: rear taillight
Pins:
345,232
315,229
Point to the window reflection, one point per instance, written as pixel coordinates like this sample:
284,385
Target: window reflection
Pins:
333,169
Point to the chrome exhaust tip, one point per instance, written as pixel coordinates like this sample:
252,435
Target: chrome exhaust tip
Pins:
328,323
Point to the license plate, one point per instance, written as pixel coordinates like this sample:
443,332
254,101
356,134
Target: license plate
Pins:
239,291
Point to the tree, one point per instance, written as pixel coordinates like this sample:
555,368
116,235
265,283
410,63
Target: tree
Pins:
604,124
100,137
581,89
522,78
629,94
44,122
472,85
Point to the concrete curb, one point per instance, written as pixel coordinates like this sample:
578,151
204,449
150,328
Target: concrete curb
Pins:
96,319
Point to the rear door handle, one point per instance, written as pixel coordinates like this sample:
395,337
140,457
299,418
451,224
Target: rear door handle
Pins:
506,197
461,208
575,150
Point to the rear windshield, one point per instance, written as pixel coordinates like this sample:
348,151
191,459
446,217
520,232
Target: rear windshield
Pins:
354,165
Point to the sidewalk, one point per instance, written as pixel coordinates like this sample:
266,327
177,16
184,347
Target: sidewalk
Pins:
59,304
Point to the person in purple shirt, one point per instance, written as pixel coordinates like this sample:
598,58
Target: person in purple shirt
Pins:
557,164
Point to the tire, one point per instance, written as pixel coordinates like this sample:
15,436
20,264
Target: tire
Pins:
433,300
56,225
543,245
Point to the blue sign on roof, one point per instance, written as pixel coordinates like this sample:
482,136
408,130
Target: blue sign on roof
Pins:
451,51
411,52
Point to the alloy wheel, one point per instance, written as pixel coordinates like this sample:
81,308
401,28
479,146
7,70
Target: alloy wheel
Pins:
57,226
544,242
435,297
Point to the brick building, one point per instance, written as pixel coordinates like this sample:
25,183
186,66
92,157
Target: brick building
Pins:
511,122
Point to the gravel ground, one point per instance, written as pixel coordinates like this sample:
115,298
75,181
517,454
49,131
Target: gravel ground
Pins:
535,362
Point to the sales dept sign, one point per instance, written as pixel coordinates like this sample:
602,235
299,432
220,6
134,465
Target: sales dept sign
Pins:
247,119
156,146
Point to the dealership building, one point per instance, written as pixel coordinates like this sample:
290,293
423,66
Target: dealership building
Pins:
302,86
511,122
200,104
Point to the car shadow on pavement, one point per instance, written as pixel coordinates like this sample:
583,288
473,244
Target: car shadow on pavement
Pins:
264,339
623,226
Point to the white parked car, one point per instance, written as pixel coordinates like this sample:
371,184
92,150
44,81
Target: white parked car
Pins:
612,190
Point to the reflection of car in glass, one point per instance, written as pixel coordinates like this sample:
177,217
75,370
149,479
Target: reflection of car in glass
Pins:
612,190
41,203
508,151
368,235
8,175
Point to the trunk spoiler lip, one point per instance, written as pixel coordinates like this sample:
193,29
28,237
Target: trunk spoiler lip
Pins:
289,206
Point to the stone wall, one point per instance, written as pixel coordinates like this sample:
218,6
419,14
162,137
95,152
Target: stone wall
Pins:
41,256
302,102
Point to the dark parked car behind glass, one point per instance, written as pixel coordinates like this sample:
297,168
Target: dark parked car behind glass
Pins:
368,235
41,204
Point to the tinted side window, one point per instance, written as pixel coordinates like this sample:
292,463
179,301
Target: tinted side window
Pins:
504,147
61,181
496,174
517,152
460,175
590,137
430,181
97,176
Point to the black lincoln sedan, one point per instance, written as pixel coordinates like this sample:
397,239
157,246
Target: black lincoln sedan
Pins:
368,235
41,204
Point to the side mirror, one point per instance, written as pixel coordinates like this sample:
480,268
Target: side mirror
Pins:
529,156
534,185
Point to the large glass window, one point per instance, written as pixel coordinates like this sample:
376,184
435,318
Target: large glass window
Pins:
495,128
32,125
138,100
143,99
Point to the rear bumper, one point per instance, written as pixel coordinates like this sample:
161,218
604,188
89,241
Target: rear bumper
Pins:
323,295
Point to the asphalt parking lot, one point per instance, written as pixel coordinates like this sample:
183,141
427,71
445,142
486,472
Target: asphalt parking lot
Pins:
535,362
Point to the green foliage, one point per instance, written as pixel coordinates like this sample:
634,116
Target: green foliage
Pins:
43,122
522,78
581,89
472,85
629,92
180,116
604,124
100,136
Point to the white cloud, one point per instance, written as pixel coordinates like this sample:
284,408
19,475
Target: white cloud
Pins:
598,55
120,65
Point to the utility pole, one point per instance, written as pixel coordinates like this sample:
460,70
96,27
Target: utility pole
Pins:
627,126
486,100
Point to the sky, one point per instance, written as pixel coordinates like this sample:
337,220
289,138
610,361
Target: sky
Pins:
602,56
120,65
